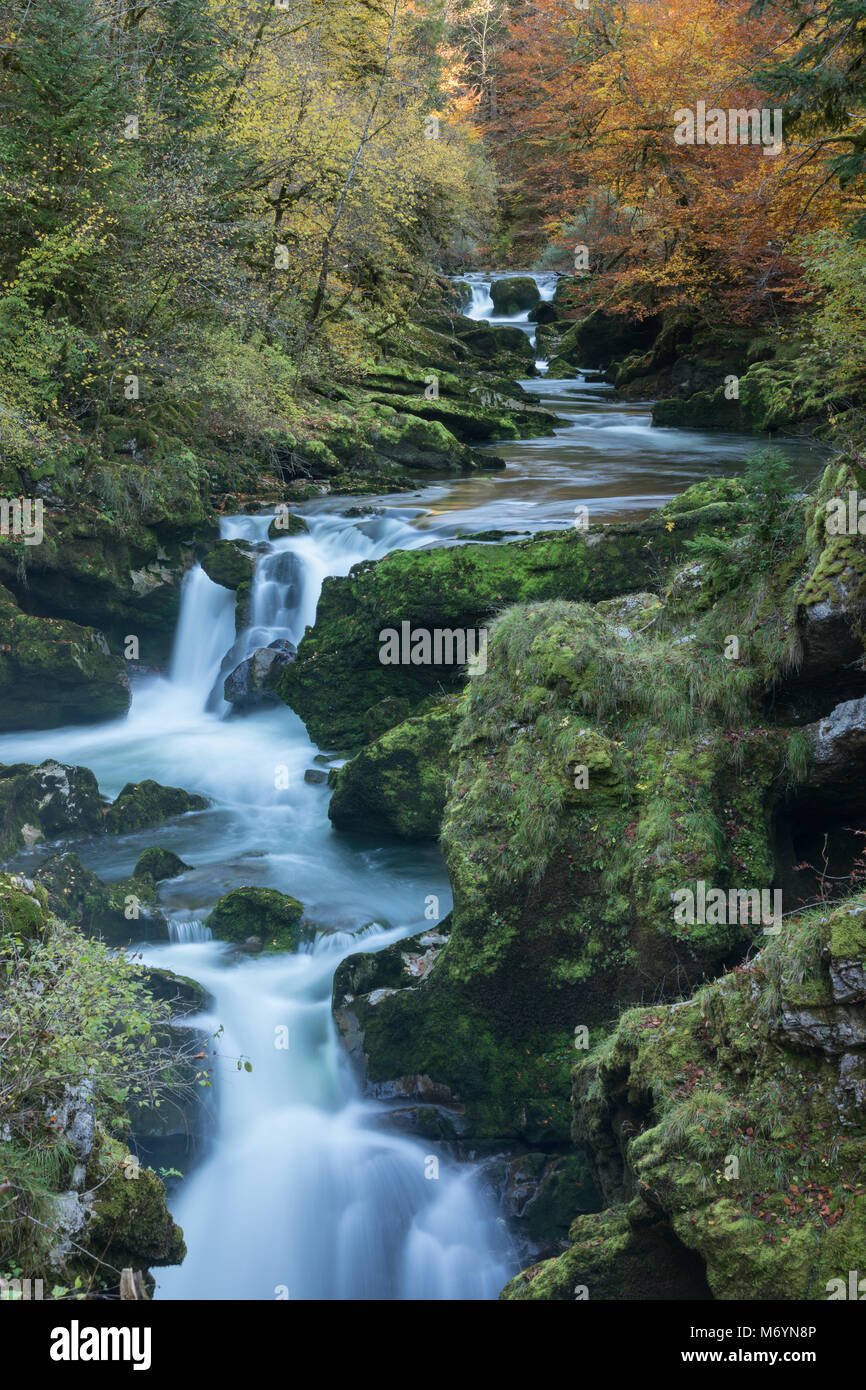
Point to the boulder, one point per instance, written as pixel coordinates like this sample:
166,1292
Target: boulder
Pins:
254,681
156,865
46,802
397,785
147,803
118,912
229,564
272,919
513,295
54,672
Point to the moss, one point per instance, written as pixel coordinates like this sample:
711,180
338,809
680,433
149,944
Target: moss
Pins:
228,564
737,1123
338,676
54,672
397,785
157,864
274,918
147,803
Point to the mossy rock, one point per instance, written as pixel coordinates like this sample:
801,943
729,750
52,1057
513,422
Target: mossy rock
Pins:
228,564
147,803
746,1135
274,918
285,523
23,909
129,1222
158,864
54,672
118,912
338,677
185,995
397,785
45,802
514,295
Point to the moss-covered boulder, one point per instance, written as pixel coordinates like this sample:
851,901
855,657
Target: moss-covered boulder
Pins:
118,912
610,760
157,864
115,559
273,918
728,1131
24,909
229,564
128,1221
286,523
147,803
54,672
183,994
338,676
45,802
397,785
514,294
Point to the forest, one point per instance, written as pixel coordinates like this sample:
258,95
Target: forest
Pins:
432,650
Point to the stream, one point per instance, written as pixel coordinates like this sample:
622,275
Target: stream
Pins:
305,1190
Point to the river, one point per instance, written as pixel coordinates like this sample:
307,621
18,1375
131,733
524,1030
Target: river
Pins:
304,1190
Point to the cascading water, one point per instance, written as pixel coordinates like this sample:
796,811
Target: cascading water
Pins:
481,306
306,1190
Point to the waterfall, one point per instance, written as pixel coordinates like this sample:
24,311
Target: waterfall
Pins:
482,308
307,1190
188,933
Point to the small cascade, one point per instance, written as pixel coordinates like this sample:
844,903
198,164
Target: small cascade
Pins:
481,306
188,933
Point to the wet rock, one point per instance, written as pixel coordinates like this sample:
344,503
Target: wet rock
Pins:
259,916
229,564
147,803
54,672
185,995
118,912
158,864
254,681
45,802
285,523
514,294
315,776
397,785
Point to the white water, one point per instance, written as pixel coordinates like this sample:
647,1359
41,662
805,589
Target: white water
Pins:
306,1189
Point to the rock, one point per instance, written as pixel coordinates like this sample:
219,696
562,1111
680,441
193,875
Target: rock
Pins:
254,681
546,313
54,672
285,523
513,295
45,802
118,912
346,696
271,919
397,785
315,776
703,1118
186,996
158,864
602,337
228,564
147,803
